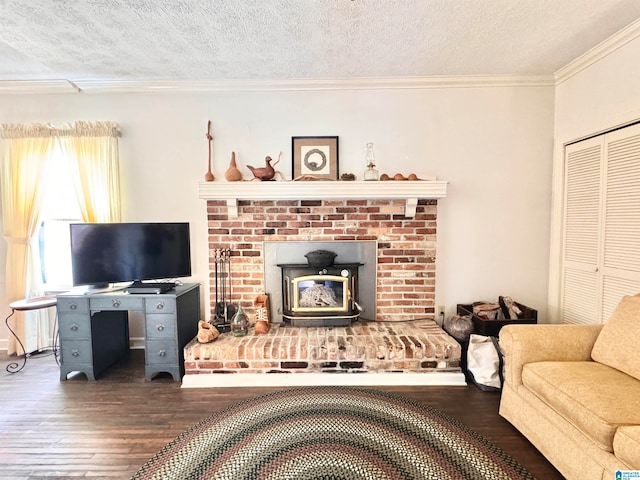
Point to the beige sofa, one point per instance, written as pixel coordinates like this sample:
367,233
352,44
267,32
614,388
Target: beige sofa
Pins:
574,392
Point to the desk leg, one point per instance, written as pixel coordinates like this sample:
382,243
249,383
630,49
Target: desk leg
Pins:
56,340
14,367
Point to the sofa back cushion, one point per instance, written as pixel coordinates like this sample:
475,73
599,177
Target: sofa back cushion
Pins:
617,343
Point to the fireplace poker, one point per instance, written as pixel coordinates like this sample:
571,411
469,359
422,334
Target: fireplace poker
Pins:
229,308
215,262
223,280
220,303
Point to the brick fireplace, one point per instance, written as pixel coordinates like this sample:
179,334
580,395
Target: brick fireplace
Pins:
406,247
397,221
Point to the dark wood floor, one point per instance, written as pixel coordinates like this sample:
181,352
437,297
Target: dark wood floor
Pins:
110,427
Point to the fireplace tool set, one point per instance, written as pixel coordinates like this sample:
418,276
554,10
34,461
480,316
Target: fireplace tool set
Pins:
224,309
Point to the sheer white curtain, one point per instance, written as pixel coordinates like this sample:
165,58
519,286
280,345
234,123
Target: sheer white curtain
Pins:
92,150
26,151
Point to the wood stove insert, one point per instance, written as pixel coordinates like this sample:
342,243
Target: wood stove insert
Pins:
320,296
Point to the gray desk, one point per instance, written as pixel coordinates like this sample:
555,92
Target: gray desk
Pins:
94,329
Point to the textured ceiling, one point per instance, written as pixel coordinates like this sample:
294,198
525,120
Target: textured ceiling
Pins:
225,40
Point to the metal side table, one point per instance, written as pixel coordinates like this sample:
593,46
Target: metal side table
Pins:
26,304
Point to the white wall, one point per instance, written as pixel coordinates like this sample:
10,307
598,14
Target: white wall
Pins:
602,96
493,144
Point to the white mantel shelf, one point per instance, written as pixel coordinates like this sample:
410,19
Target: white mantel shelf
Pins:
409,191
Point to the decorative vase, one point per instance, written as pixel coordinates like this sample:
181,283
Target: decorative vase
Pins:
233,174
240,322
370,173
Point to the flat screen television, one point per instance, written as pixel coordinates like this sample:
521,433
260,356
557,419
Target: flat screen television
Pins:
106,253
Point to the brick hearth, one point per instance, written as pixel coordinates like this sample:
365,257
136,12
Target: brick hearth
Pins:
419,346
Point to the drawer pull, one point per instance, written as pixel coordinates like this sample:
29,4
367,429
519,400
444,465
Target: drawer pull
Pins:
160,305
73,306
161,353
74,327
75,353
160,327
116,303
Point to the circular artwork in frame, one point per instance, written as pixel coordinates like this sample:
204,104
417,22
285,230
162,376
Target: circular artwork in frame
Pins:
315,157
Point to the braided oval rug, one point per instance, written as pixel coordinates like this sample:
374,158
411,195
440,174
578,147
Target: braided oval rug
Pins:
330,433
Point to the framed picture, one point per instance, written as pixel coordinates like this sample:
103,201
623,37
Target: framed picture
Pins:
315,156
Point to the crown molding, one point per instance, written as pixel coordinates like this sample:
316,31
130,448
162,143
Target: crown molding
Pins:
17,87
159,86
156,86
597,53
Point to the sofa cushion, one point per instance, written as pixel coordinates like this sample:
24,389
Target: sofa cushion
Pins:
626,445
617,343
595,398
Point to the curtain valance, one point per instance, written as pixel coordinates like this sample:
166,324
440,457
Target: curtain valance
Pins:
77,129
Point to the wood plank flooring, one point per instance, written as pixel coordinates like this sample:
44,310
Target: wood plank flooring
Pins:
109,428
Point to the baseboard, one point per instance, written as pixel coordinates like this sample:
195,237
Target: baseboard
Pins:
136,343
221,380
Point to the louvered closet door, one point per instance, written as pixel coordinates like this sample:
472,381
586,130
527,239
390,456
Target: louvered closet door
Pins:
621,249
602,225
581,279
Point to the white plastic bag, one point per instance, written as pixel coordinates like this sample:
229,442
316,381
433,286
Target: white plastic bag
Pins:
484,362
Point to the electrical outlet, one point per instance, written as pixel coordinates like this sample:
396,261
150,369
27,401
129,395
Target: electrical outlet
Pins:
441,310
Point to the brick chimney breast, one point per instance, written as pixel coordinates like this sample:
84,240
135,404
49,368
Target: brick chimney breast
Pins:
406,246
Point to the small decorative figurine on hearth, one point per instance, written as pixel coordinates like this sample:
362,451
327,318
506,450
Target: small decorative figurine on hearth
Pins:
207,332
261,305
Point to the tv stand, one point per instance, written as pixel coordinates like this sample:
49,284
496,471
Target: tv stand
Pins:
94,329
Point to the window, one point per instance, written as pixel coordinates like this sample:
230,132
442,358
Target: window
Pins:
59,209
28,170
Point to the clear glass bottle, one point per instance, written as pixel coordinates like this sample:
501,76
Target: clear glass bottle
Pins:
240,322
371,173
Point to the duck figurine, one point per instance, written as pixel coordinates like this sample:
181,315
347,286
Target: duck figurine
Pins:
263,173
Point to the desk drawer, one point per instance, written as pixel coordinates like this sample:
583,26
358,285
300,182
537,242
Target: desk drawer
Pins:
160,305
74,326
160,352
76,352
160,326
72,304
117,303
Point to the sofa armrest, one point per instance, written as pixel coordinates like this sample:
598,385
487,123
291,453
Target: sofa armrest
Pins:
522,344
